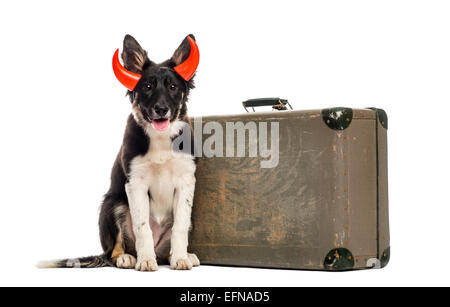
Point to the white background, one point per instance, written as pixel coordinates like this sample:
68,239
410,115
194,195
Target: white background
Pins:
63,114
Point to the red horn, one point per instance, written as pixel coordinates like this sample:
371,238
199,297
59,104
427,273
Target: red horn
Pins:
187,69
127,78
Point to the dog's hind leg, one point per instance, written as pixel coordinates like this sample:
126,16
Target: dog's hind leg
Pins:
121,255
121,259
113,232
194,259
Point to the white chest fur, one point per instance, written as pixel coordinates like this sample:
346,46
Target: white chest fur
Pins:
162,171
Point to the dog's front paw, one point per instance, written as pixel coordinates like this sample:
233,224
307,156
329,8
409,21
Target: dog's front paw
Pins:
181,264
184,263
146,264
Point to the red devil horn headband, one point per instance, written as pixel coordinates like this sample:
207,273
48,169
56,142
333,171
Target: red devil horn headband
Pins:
127,78
186,69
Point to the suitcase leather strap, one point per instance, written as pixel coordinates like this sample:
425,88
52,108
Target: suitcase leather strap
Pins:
276,103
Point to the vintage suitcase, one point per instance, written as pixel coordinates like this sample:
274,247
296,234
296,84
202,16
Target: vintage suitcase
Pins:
323,207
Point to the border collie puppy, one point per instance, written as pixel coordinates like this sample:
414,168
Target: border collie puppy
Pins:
146,214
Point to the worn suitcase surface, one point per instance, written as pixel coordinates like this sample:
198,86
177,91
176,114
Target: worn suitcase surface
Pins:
324,207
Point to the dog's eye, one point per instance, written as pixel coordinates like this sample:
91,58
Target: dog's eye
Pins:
172,87
148,86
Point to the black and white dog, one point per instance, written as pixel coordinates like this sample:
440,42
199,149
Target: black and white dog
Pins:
146,214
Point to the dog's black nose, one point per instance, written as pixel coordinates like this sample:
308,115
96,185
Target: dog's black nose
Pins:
161,111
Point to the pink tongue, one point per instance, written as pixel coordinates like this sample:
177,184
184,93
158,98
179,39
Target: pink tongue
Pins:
161,124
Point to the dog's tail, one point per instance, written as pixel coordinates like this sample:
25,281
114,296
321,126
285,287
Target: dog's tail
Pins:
84,262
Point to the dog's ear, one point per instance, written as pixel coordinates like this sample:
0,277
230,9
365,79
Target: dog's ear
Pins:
182,53
133,56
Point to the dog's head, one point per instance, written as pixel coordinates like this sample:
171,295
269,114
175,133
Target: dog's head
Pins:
159,97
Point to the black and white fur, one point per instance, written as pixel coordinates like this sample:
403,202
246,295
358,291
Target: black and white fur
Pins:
146,214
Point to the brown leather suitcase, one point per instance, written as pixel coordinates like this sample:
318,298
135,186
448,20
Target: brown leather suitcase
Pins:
323,207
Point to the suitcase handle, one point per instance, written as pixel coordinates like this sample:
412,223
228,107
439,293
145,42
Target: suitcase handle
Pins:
276,103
